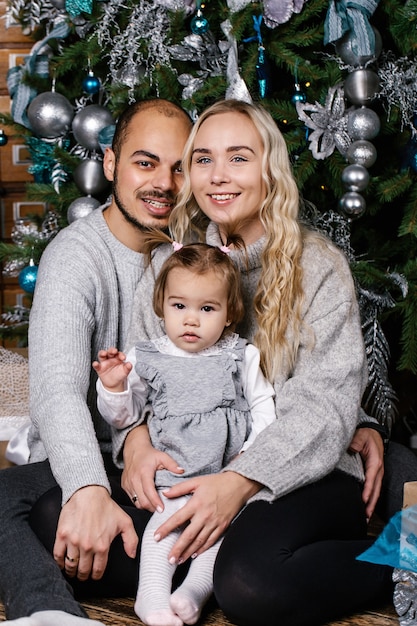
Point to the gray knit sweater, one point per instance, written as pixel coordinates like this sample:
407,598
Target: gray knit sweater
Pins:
318,405
83,302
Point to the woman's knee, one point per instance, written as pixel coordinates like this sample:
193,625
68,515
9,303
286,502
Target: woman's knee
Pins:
248,593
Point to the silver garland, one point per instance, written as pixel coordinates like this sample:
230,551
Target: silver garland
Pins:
398,87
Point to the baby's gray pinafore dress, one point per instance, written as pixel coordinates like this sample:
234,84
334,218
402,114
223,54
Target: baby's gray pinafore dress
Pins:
200,416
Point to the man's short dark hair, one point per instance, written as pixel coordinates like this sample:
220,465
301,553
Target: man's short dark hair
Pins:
164,107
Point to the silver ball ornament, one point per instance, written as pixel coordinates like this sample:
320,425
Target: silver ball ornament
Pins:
50,115
81,207
361,86
363,123
89,177
352,205
362,152
87,124
355,177
346,46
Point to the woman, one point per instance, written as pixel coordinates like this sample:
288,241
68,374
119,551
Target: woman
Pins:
289,556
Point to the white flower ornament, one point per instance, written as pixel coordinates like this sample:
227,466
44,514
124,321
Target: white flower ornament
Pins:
328,122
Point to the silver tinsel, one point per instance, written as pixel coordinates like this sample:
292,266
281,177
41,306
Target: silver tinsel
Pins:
143,44
328,122
398,87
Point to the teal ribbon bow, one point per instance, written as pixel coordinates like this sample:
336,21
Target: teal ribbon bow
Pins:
347,15
34,63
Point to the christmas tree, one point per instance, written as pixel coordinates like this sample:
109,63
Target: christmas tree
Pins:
339,81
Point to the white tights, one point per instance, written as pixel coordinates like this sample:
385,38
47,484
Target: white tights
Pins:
155,604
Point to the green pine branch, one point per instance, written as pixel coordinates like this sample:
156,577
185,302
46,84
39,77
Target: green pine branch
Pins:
408,340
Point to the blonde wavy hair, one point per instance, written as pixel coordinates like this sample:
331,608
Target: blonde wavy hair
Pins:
279,293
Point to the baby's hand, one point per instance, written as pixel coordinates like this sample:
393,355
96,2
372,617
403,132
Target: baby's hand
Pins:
112,368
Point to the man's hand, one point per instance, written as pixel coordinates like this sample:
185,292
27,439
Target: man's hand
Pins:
88,523
368,442
141,461
216,500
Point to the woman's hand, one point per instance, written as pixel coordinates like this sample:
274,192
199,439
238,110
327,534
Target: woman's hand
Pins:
215,502
368,443
141,461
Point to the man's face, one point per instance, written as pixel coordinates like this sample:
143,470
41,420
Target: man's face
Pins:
147,176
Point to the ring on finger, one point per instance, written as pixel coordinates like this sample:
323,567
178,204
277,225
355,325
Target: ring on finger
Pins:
71,559
134,498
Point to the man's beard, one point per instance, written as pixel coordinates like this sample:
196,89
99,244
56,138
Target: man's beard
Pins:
144,228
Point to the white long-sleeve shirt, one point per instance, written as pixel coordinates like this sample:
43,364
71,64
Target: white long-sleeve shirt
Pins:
123,409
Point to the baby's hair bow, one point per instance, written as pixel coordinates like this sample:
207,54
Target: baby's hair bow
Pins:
177,246
225,249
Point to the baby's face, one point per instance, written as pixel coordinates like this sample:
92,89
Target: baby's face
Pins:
195,309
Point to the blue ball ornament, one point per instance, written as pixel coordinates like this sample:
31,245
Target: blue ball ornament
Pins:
91,84
3,138
199,24
298,95
27,278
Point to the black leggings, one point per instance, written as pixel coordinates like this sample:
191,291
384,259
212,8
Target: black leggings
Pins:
292,562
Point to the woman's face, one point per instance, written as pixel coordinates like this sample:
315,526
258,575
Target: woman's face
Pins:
226,173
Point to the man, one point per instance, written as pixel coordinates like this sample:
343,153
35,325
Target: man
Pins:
86,281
